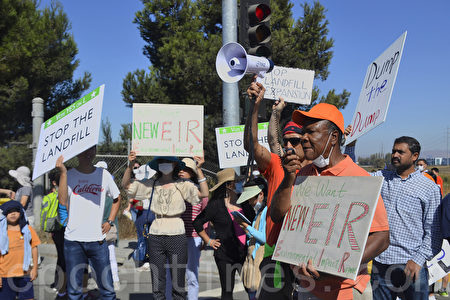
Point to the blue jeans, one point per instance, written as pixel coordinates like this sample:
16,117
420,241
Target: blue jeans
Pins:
78,255
194,248
389,281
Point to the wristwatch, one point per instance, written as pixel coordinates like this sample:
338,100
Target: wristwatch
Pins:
111,223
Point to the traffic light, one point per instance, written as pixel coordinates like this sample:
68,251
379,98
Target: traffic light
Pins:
254,29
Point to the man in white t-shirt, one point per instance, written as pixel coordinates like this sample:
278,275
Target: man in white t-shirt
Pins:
83,190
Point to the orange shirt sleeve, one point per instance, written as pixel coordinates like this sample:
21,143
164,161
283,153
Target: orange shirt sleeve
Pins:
380,220
35,241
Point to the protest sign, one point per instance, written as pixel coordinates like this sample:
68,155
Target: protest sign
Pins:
69,132
167,129
376,91
439,266
294,85
230,144
329,222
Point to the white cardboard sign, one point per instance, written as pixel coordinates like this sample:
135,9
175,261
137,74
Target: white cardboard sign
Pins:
71,131
167,129
439,266
294,85
230,144
329,222
376,91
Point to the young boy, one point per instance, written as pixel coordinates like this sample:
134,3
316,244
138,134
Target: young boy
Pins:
18,246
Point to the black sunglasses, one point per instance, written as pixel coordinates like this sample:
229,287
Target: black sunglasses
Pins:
294,141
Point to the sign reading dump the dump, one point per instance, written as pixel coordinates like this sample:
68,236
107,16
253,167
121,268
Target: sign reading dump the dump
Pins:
69,132
294,85
376,91
230,144
167,129
328,222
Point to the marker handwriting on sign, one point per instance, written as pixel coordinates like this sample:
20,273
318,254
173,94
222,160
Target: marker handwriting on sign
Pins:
297,216
362,122
167,131
377,71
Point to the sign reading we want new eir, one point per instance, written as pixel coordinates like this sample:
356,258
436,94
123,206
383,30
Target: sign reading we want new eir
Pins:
167,129
329,222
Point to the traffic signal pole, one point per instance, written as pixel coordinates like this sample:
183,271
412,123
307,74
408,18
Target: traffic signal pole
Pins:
230,96
230,105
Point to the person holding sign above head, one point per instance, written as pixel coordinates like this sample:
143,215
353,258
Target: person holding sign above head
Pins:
138,196
193,173
413,206
229,243
83,191
323,128
167,241
269,164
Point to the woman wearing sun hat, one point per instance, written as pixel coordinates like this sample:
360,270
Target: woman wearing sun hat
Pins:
255,192
229,244
25,193
167,194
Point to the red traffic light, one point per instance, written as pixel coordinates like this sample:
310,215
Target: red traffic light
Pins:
258,13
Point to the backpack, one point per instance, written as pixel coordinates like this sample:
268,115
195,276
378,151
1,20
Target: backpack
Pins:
49,213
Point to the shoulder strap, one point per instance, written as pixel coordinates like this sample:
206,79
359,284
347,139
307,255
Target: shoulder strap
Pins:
151,198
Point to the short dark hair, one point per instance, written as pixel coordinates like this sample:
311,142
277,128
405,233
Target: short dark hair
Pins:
422,159
332,127
54,176
413,144
435,170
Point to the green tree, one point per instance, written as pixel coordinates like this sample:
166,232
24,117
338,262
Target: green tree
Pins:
183,38
107,146
13,155
37,59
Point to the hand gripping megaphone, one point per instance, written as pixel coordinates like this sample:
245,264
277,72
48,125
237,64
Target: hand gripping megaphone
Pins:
232,62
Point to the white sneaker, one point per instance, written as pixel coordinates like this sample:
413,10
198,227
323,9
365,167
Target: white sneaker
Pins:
144,267
116,285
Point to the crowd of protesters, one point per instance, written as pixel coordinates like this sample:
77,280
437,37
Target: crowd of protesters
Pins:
176,215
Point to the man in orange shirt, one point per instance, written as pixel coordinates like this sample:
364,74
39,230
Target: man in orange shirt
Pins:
439,180
323,128
270,167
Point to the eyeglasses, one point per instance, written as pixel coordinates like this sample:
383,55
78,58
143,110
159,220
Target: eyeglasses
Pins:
294,141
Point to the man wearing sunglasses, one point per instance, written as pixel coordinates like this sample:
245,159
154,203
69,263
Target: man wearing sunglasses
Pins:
277,278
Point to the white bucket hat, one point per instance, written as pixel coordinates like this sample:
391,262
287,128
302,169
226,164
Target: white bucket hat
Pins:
22,175
101,164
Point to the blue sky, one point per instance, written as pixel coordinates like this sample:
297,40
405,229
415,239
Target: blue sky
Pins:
110,46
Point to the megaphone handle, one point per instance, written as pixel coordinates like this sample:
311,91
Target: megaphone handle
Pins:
259,78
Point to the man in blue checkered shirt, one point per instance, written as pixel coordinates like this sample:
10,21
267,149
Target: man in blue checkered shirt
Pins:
412,203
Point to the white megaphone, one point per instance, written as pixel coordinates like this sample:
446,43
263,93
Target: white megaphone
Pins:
232,62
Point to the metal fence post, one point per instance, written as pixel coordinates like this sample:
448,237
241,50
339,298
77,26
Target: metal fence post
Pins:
38,185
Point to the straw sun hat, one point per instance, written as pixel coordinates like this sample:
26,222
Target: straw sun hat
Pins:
224,176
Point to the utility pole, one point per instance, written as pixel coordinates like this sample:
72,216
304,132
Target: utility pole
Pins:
37,115
448,133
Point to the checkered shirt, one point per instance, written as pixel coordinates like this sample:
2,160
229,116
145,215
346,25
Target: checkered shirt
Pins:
413,209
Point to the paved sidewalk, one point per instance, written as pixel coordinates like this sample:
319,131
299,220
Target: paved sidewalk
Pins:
134,285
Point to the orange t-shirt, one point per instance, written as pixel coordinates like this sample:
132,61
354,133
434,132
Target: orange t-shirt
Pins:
440,182
335,287
274,175
12,262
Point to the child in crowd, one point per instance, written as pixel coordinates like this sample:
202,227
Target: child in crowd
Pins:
18,253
